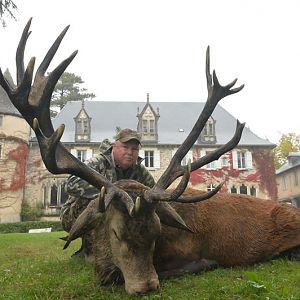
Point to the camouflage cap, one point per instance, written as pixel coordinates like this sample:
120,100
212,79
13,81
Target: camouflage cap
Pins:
127,134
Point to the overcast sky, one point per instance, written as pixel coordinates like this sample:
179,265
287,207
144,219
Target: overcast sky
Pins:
130,48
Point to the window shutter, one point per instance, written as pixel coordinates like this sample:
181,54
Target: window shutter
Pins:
74,152
156,159
234,159
202,154
89,153
189,155
142,155
249,163
218,163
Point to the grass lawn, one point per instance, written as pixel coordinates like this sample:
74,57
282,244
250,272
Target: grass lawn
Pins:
34,266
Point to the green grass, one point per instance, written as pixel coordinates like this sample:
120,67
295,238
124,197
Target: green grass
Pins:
34,266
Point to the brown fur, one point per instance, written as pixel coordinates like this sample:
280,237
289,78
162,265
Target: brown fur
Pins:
229,229
232,230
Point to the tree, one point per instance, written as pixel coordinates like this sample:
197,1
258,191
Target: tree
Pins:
289,142
68,89
7,8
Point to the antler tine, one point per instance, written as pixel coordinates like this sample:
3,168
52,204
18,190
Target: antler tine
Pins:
33,102
20,52
216,92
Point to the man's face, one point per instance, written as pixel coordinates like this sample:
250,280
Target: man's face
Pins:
126,154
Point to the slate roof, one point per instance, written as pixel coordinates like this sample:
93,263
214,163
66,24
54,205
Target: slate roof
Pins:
106,115
6,107
293,162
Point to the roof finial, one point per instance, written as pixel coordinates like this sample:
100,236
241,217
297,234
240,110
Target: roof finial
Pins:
148,98
82,104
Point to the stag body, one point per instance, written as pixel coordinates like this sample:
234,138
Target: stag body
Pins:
229,229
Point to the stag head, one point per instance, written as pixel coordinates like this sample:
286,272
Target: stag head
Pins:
127,216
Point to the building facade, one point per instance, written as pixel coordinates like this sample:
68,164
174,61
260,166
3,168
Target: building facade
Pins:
248,169
288,180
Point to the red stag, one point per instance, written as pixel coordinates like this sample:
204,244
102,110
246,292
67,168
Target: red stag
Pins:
138,235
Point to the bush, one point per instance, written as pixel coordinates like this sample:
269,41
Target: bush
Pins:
29,213
25,226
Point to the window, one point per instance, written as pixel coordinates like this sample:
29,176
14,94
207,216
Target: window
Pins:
243,189
82,126
1,120
253,191
223,161
149,159
81,155
63,194
53,197
233,190
145,126
0,151
241,160
213,164
45,196
296,181
284,183
210,187
148,126
151,126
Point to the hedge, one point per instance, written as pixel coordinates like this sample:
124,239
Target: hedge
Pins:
25,226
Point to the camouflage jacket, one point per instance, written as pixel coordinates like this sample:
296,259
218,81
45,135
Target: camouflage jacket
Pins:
103,163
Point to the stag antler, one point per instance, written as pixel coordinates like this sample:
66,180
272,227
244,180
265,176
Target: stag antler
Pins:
216,92
33,102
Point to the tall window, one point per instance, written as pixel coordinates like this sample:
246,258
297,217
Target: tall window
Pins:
151,126
296,181
1,120
0,151
284,183
233,190
145,126
148,126
149,158
253,191
82,126
53,198
241,160
81,155
243,189
63,194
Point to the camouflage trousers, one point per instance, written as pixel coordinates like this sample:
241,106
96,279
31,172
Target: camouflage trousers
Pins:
70,211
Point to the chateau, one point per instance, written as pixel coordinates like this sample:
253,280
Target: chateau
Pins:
248,169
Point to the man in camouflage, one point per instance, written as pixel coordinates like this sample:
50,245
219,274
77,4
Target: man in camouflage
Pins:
119,161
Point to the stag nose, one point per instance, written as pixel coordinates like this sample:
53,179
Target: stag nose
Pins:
143,289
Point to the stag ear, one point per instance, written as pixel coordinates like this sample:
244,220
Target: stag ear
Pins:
169,216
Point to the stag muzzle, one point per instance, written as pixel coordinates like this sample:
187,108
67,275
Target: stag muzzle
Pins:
142,287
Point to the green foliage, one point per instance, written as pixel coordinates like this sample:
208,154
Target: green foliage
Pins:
29,213
289,142
7,8
68,89
34,266
22,227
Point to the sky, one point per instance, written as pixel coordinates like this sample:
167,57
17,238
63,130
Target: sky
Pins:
130,48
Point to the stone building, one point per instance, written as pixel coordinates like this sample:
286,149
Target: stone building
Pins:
288,180
248,169
14,150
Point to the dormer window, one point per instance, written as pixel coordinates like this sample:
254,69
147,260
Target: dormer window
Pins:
147,124
82,126
208,134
